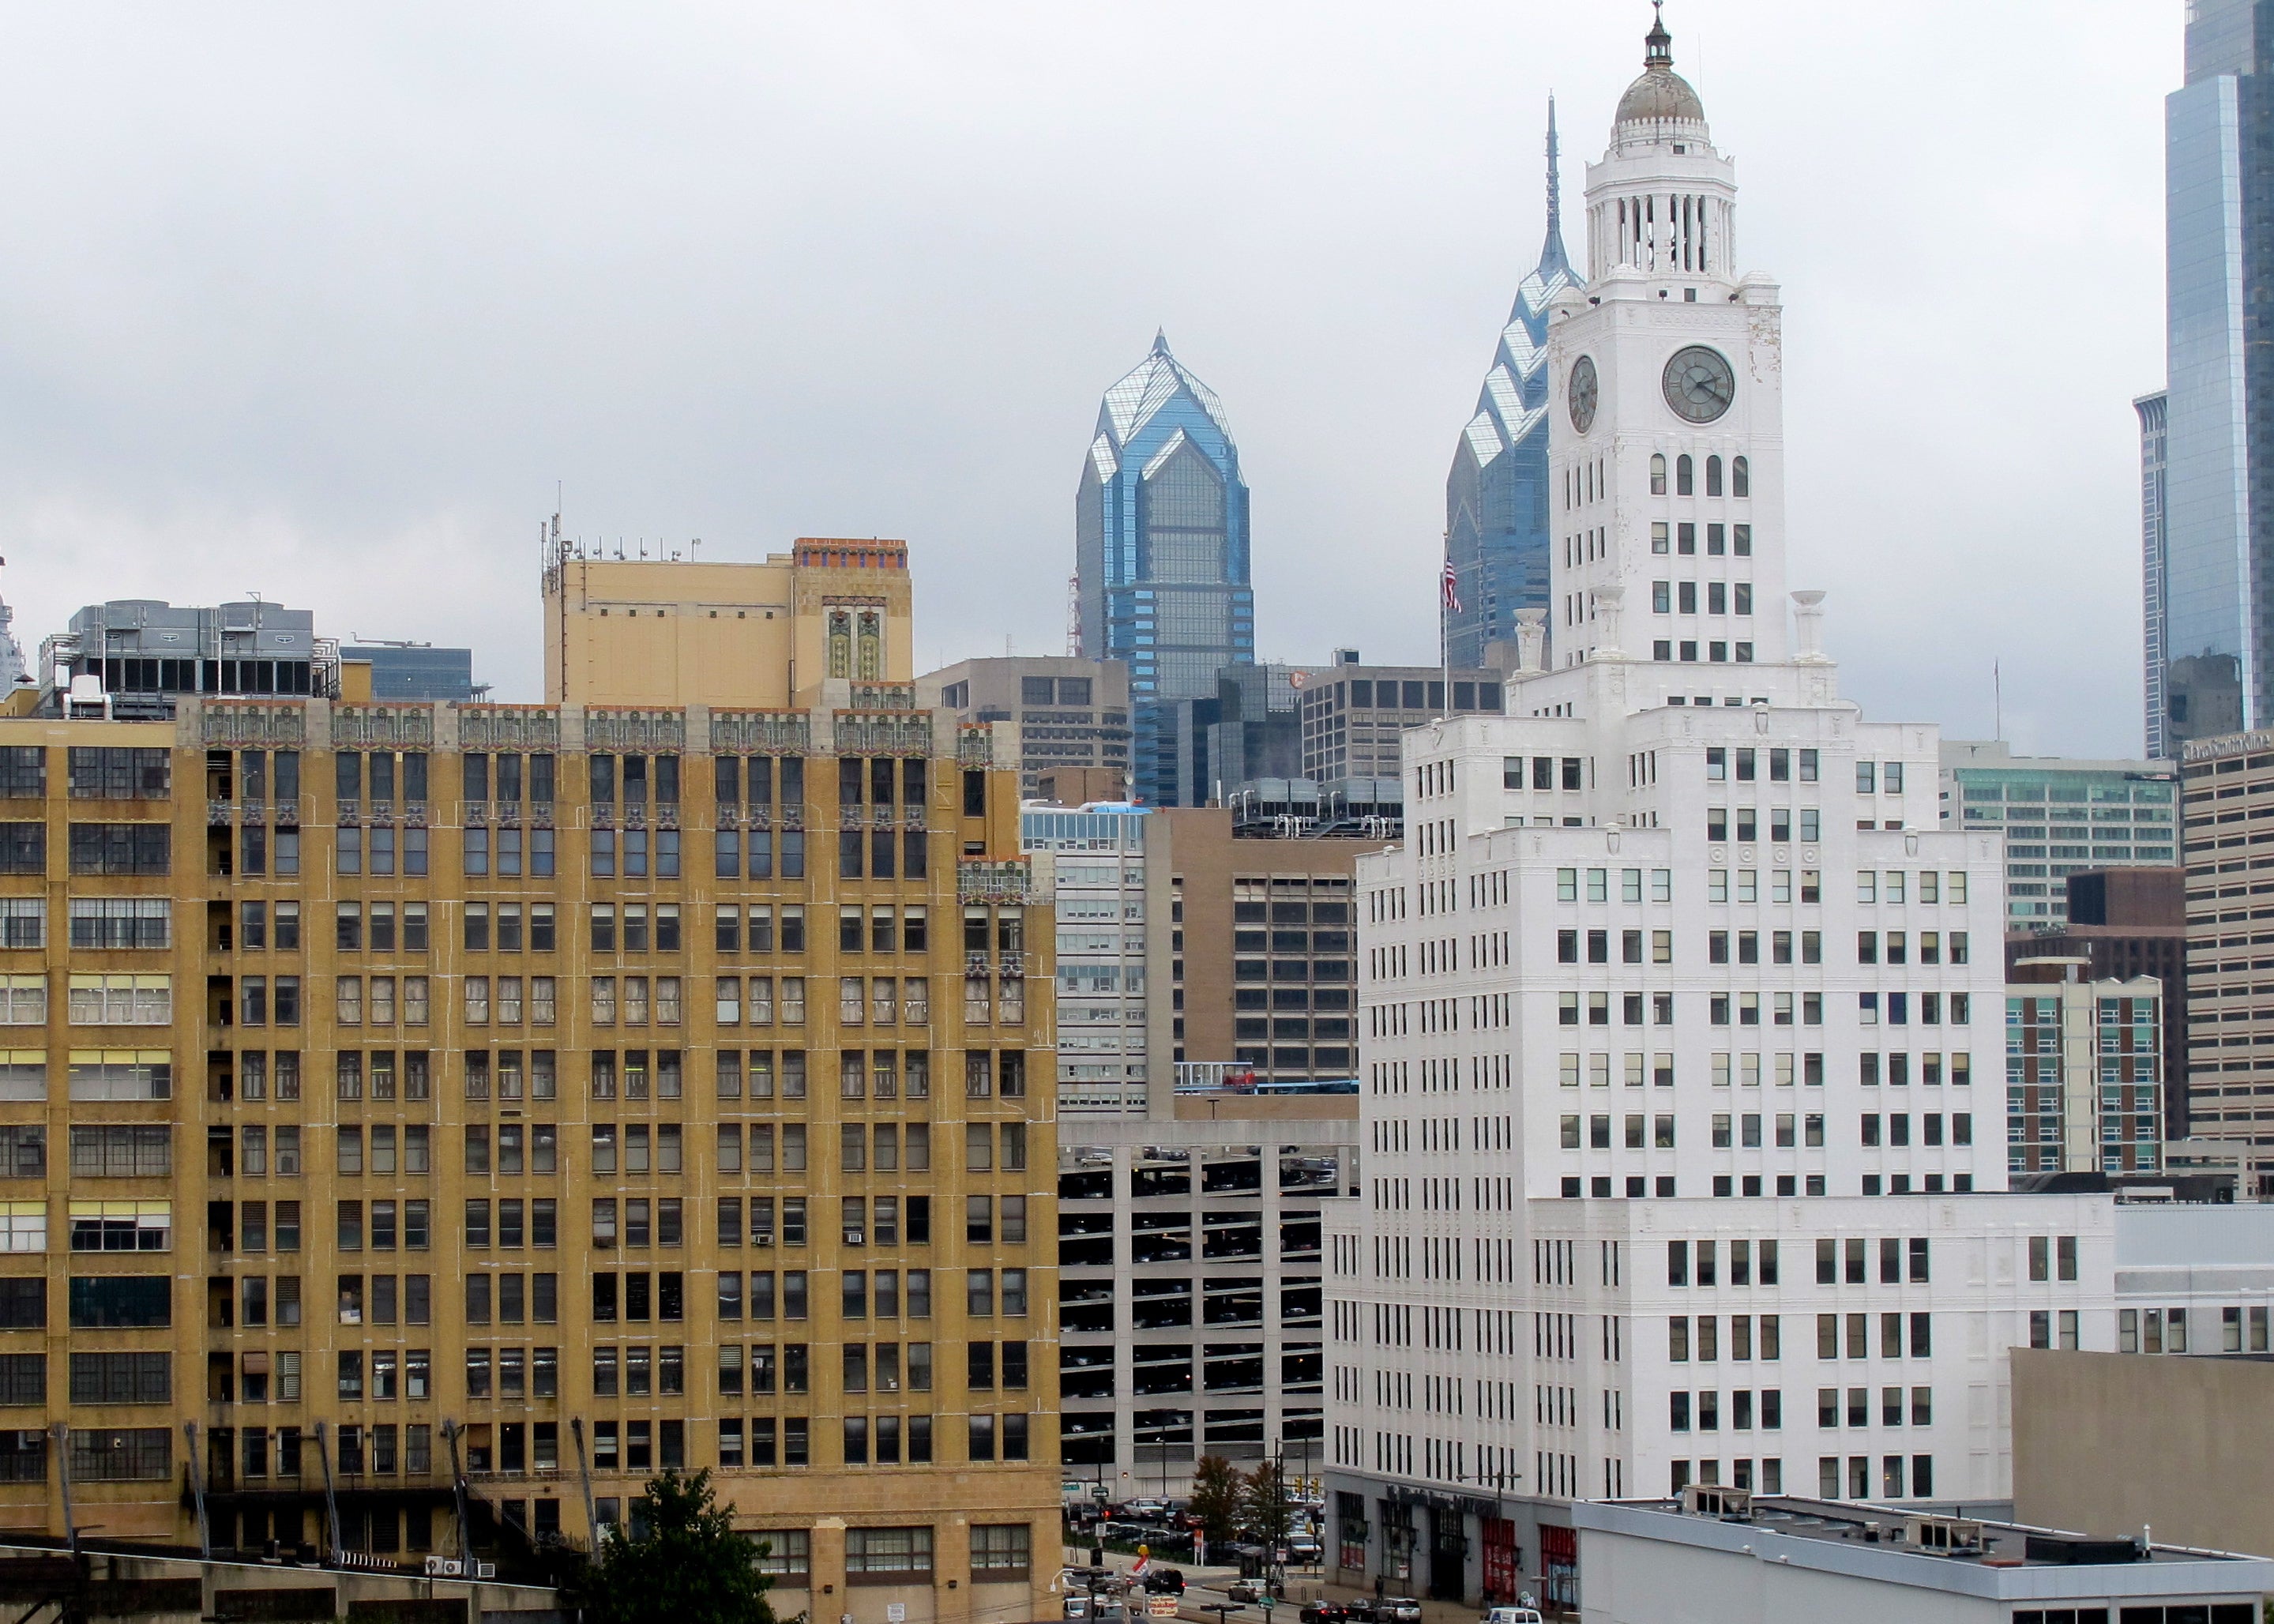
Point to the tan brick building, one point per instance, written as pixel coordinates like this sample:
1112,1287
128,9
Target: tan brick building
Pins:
2227,807
538,1096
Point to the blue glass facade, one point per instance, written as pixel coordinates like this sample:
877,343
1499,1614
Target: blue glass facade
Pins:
1497,525
415,672
1161,548
2209,620
2154,566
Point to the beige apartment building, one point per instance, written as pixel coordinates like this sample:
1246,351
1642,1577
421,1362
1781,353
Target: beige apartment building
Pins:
405,1098
2227,828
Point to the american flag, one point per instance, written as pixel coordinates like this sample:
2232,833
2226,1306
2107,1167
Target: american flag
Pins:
1450,582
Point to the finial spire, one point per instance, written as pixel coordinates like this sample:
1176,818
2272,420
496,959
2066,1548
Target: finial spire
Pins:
1160,340
1658,45
1554,180
1553,257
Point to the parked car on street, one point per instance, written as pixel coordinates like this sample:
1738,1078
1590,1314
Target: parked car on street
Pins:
1397,1610
1249,1590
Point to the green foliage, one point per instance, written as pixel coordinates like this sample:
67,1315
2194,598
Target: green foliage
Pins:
687,1565
1269,1515
1217,1492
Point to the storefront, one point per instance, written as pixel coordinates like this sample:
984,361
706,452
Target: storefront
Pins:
1559,1557
1503,1561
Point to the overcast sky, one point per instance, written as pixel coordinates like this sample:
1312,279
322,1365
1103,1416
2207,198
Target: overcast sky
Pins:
323,301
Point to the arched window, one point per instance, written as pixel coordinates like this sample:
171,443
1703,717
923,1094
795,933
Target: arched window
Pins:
1741,478
1713,476
1685,475
1658,474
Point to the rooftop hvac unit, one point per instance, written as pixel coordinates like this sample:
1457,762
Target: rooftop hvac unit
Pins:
1710,1499
1943,1534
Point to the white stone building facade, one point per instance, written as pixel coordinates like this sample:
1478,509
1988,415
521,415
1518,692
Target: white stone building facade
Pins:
1682,1041
1097,857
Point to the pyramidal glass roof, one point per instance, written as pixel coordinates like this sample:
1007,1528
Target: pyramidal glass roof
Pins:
1502,418
1139,397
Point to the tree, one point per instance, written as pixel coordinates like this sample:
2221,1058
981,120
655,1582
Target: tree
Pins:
686,1565
1217,1491
1268,1512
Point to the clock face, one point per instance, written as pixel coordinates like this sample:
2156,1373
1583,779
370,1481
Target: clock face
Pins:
1700,384
1582,394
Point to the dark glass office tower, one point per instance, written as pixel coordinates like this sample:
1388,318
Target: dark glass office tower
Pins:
2209,617
1161,548
1496,495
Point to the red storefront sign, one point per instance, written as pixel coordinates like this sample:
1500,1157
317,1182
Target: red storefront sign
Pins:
1503,1563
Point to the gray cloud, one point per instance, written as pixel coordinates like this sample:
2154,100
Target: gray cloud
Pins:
323,301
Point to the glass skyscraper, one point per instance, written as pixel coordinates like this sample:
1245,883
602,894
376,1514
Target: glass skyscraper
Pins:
2207,618
1497,496
2155,564
1161,549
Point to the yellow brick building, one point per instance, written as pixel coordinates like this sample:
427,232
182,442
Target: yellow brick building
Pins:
401,1099
625,632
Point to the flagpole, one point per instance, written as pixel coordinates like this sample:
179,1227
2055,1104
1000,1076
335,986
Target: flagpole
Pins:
1445,596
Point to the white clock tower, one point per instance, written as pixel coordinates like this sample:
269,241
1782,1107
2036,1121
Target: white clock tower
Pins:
1666,431
1675,986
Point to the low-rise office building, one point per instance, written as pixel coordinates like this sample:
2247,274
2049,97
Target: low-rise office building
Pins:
1713,1557
1261,939
1353,715
1072,714
2059,816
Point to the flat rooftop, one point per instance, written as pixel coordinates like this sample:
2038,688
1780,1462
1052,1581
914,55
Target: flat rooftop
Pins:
1936,1550
2003,1545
